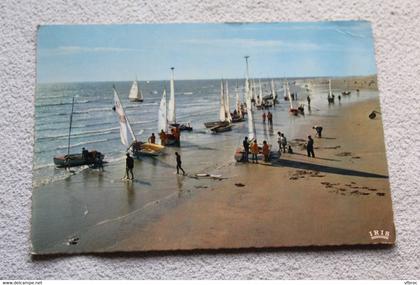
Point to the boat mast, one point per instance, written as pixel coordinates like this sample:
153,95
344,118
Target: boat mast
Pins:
71,121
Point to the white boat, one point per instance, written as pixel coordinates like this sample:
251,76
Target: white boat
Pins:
171,104
135,94
292,109
163,125
252,134
225,119
128,138
330,94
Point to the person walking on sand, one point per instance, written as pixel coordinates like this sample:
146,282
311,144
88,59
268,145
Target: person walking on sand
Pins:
339,98
246,149
264,116
283,142
254,152
178,163
266,151
309,100
129,165
310,147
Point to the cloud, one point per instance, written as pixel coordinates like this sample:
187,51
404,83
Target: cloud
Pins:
68,50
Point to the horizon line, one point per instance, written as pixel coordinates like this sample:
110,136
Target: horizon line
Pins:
197,79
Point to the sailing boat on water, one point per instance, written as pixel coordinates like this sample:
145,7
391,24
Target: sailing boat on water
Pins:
128,138
259,101
166,138
78,159
135,94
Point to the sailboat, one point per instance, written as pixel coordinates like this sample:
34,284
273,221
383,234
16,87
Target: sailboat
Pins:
78,159
252,134
292,109
168,139
135,94
238,116
225,117
222,122
346,92
137,148
171,112
330,94
258,101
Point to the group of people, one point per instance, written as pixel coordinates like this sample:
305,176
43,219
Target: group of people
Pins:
173,138
268,116
252,147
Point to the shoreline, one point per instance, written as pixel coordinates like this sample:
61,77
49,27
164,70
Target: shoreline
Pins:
322,203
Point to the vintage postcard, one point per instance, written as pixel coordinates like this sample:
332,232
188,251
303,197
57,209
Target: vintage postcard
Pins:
208,136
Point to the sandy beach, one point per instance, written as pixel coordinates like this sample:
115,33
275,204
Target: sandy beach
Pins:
333,199
336,198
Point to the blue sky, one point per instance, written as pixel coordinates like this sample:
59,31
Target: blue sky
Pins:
69,53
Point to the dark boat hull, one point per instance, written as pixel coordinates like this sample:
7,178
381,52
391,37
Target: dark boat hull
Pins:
221,129
73,160
210,125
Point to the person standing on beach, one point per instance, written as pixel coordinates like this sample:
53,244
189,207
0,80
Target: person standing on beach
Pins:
254,152
178,163
279,142
129,165
270,118
152,139
339,98
266,151
264,116
310,147
283,141
309,100
246,149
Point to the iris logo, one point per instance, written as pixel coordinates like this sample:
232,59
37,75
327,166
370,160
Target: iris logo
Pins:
379,234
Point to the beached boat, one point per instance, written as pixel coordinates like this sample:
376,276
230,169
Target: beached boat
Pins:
237,115
225,118
135,94
345,93
292,109
252,135
76,159
168,139
137,148
331,96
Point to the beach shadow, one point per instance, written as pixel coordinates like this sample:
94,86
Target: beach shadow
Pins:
323,168
327,138
321,158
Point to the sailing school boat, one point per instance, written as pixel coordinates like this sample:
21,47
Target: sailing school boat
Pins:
78,159
330,94
171,112
168,139
137,148
135,94
224,123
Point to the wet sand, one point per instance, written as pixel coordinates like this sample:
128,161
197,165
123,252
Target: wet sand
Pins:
333,199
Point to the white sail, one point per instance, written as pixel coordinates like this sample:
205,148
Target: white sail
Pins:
222,112
135,92
251,124
273,90
125,127
329,88
171,103
285,89
238,101
289,95
162,120
227,103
